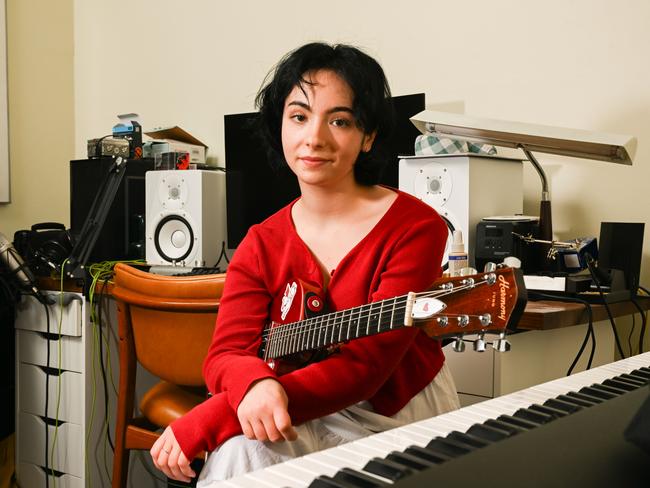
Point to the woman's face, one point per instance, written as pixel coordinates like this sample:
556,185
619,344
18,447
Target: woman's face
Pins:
320,136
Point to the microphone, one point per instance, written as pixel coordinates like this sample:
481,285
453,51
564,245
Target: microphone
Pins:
15,264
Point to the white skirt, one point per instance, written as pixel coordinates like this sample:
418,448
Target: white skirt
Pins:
239,455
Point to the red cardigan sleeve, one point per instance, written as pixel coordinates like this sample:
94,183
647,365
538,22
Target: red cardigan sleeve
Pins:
232,364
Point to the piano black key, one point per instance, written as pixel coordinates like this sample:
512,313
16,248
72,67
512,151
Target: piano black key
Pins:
641,380
324,481
640,374
488,433
564,405
593,400
448,447
598,392
518,421
621,384
548,410
612,389
410,461
508,428
358,479
533,416
426,454
608,390
645,369
578,399
468,439
388,469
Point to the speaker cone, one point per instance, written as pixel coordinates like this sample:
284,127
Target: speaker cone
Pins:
174,238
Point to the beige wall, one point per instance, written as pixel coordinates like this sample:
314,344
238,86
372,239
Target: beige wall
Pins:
41,112
576,64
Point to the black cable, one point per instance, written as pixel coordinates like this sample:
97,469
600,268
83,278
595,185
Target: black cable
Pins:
222,255
47,398
594,278
97,145
590,325
629,336
643,323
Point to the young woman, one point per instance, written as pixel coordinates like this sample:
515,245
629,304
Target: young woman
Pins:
325,113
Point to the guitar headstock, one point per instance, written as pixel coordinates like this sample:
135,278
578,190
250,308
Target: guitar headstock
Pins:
483,303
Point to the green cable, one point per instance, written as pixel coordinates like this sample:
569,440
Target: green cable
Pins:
58,390
101,272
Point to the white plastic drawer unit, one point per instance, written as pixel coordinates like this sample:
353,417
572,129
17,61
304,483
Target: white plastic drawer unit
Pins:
32,398
33,475
32,315
33,348
68,453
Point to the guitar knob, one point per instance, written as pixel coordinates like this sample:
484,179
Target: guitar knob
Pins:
443,321
479,343
459,345
463,320
501,344
489,267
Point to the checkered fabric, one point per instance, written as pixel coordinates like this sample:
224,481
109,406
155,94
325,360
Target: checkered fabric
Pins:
429,144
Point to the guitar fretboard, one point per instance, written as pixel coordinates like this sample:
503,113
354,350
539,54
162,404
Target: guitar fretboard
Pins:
336,327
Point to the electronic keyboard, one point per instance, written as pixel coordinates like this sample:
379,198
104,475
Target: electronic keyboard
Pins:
415,454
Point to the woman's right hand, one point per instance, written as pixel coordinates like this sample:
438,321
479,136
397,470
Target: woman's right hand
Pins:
168,457
263,412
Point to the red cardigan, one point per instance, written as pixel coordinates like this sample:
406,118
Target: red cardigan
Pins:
401,253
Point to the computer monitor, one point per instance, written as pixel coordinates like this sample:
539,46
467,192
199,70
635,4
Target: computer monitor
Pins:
255,190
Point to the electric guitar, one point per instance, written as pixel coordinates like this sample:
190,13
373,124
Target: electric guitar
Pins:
485,303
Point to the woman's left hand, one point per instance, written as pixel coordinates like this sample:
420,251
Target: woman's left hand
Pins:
168,457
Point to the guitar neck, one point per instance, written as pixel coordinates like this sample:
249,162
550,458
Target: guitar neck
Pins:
333,328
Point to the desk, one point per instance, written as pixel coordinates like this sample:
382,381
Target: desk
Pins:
550,335
552,314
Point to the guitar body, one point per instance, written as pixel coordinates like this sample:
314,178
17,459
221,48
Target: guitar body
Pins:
299,301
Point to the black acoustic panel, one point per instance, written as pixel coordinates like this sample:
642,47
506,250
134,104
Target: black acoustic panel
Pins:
621,247
122,233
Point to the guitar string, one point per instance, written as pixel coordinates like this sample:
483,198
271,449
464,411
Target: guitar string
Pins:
281,337
293,326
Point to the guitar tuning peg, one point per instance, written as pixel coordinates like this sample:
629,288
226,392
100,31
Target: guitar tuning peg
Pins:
467,271
479,343
501,344
459,345
489,267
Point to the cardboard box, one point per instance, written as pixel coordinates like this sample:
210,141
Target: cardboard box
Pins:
174,139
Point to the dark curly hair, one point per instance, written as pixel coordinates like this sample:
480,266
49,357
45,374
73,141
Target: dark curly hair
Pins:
372,106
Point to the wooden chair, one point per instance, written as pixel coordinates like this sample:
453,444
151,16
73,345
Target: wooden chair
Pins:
165,324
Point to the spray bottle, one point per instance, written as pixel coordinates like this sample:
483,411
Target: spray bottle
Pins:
457,256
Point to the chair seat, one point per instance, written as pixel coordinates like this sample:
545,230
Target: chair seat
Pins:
166,402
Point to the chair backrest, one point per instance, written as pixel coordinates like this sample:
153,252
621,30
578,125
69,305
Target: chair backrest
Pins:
170,320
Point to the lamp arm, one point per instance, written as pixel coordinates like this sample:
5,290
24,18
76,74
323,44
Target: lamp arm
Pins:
540,171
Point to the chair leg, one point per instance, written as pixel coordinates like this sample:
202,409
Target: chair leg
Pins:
125,398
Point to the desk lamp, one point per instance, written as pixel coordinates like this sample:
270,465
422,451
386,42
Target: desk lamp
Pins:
531,138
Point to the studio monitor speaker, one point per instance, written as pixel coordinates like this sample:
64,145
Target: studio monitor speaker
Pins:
621,247
184,217
464,188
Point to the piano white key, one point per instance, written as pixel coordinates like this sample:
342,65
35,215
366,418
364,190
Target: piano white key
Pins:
297,476
264,478
351,457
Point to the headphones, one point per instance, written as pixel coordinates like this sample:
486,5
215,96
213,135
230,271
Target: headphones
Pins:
45,246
